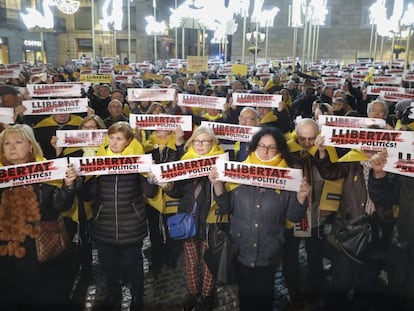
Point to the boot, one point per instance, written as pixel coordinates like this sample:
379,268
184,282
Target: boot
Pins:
190,303
137,304
205,303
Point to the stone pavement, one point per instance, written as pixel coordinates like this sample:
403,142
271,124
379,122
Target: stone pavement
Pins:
166,292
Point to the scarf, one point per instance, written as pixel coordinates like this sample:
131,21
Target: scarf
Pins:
134,148
268,117
192,154
295,147
155,142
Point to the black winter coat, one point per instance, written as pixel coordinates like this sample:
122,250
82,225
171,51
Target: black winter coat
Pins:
119,216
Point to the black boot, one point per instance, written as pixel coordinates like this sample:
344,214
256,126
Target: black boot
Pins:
137,304
205,303
190,303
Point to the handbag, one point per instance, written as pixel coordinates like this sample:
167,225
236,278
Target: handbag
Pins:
52,241
219,256
182,225
353,237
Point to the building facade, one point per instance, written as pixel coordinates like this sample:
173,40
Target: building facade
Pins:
346,35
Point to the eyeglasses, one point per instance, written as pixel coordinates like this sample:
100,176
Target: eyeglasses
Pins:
310,139
204,142
271,148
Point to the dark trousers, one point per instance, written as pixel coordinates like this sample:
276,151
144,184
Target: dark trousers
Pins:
256,287
314,255
164,251
122,265
354,286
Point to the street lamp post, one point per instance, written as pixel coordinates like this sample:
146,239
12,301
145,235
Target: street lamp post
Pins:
154,5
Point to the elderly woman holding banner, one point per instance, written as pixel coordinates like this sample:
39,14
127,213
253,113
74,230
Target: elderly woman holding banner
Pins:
25,282
258,217
196,192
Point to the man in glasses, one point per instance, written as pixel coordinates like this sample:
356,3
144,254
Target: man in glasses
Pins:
248,116
306,289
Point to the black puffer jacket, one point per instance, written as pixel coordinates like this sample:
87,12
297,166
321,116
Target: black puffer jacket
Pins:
118,210
257,222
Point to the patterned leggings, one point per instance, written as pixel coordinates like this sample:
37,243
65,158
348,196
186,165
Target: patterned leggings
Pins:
194,260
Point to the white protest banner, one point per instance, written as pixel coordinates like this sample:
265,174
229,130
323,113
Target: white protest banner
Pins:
151,94
200,101
401,163
260,175
54,90
84,85
161,122
393,80
377,89
367,139
232,132
55,106
112,165
218,82
108,72
396,97
409,77
333,81
9,73
33,172
6,115
80,138
256,100
343,121
186,169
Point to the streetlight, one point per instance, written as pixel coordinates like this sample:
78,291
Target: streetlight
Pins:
408,21
267,19
155,29
295,21
256,38
244,6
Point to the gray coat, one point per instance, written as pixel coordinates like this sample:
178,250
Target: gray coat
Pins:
258,217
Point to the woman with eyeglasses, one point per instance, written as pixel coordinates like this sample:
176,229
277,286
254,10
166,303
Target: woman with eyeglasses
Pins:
197,191
258,217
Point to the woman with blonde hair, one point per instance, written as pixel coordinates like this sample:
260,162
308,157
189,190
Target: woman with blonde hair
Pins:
25,282
196,192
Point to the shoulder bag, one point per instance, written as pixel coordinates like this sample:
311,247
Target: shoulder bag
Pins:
52,240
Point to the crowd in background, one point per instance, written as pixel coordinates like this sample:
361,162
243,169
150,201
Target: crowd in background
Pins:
262,220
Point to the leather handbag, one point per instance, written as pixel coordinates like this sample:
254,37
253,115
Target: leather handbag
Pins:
353,237
181,226
52,241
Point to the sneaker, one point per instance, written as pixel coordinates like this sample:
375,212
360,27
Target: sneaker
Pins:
190,303
205,304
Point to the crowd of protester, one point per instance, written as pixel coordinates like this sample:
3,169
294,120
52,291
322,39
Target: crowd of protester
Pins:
261,221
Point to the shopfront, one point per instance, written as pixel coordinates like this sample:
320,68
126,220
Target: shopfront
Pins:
4,51
33,52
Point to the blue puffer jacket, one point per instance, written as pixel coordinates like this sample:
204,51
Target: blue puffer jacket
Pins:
258,217
118,210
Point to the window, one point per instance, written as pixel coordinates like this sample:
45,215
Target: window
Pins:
83,19
84,45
